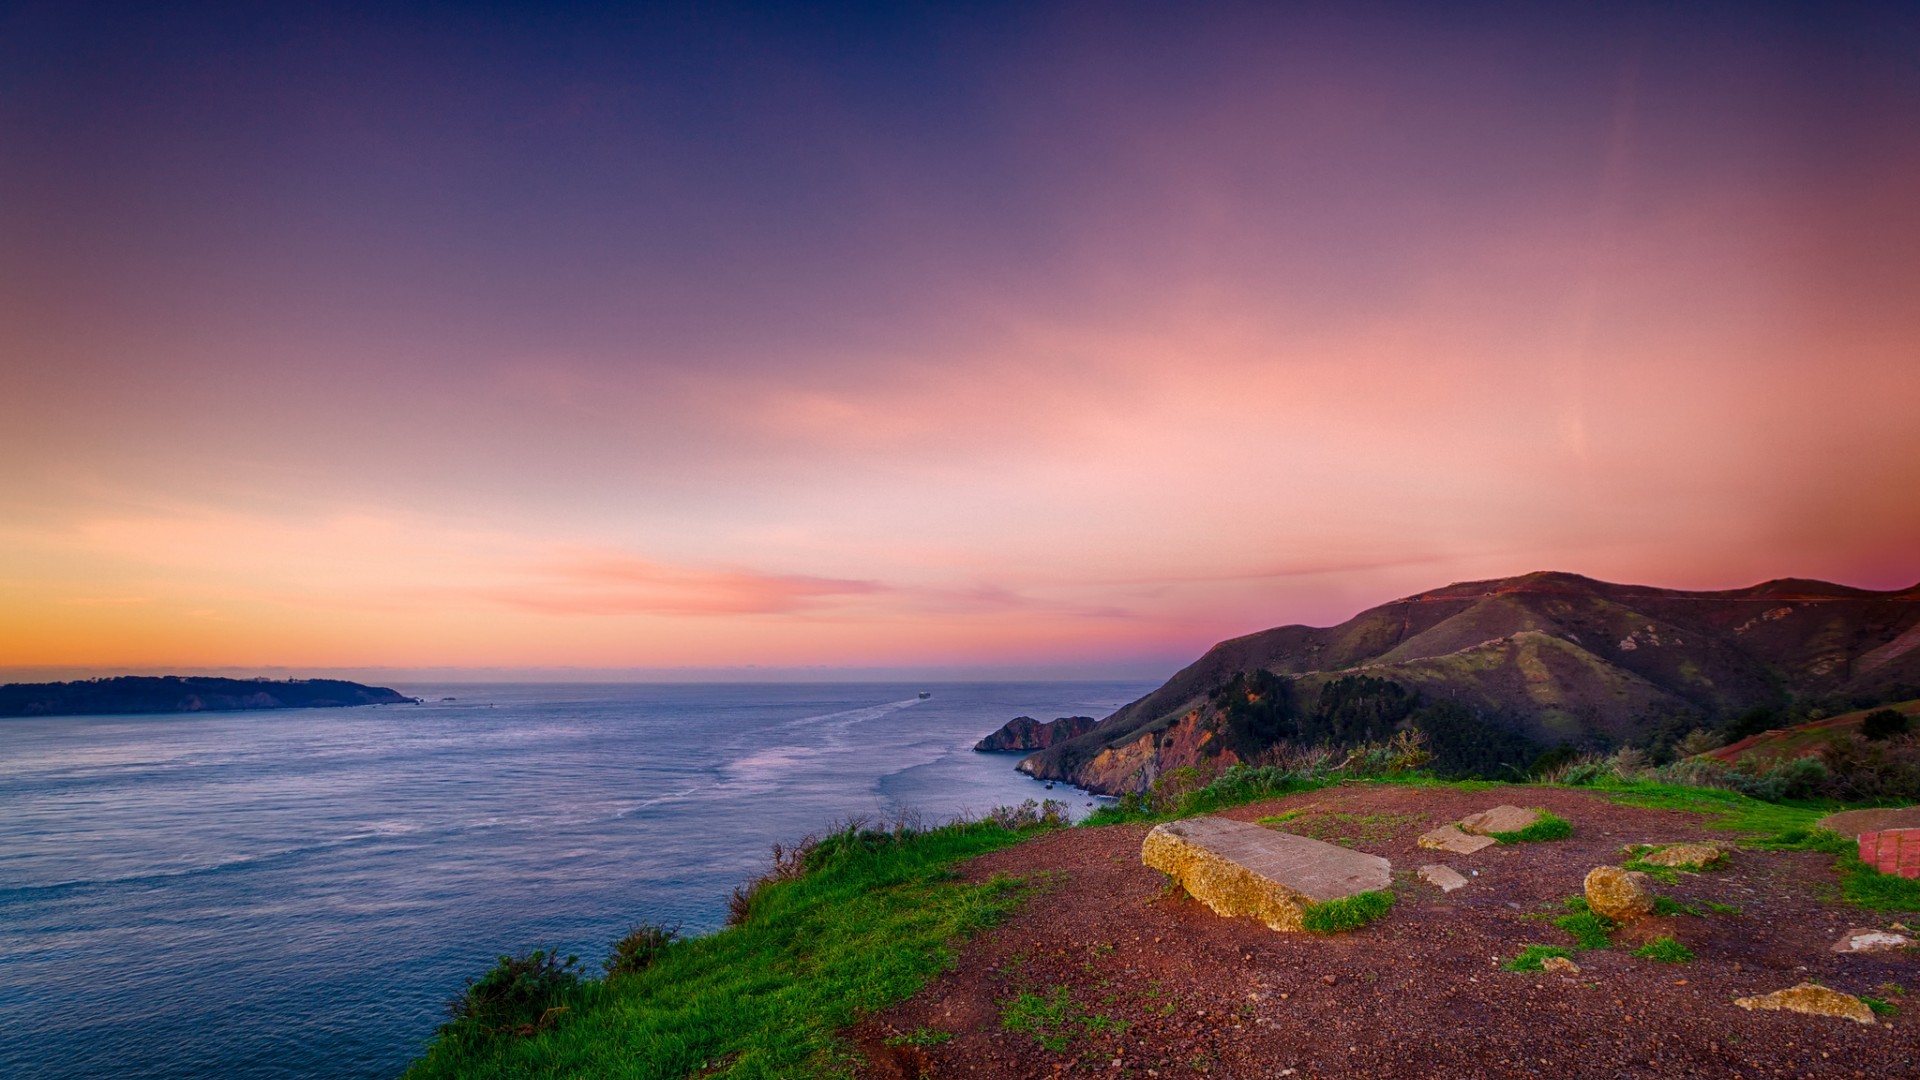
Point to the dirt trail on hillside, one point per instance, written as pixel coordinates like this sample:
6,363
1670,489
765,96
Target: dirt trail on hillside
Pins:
1147,982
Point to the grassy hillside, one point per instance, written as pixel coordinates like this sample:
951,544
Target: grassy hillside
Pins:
1802,740
1557,659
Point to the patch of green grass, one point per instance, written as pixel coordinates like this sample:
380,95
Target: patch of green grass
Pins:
1342,828
1667,905
1666,950
1551,826
921,1036
1730,810
1532,958
1879,1006
1863,885
1346,913
1055,1019
1590,930
1722,909
1666,875
866,926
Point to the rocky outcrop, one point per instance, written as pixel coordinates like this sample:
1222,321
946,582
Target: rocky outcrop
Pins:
1500,819
1026,733
1135,764
1620,895
1451,838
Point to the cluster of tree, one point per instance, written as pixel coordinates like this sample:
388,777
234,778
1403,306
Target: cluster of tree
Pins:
1257,710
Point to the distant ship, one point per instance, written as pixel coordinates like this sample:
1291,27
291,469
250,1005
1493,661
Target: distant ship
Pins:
925,694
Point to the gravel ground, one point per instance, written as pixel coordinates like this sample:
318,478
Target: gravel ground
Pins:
1157,985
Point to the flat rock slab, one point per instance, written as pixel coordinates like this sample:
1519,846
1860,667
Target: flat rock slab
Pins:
1855,822
1444,878
1450,838
1859,940
1240,869
1500,819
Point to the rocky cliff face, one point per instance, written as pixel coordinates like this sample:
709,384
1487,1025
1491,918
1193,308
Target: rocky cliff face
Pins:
1549,657
1026,733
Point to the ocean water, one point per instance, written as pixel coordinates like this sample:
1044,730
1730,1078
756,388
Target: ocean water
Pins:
296,894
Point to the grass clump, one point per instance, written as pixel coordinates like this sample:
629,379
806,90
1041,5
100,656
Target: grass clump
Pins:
1589,929
1533,958
1054,1019
1551,826
641,946
1347,913
870,917
922,1037
1667,905
1880,1006
1665,950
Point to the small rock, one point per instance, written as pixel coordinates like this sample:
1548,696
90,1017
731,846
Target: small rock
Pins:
1560,964
1812,1000
1450,838
1685,855
1330,979
1621,895
1868,940
1500,819
1445,878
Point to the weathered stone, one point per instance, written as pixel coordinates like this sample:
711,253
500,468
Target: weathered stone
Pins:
1869,940
1855,822
1445,878
1560,964
1240,869
1500,819
1621,895
1685,855
1450,838
1814,1001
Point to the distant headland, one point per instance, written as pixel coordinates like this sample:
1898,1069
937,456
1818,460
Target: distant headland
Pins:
184,694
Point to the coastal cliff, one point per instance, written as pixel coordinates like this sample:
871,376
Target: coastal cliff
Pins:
1026,733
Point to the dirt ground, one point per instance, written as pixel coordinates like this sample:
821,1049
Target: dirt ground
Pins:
1157,985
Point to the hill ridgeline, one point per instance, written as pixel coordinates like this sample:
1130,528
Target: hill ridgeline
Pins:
1496,672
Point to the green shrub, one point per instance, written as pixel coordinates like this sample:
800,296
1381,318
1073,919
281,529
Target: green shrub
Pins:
1346,913
1551,826
1884,724
637,951
520,995
1666,950
1532,957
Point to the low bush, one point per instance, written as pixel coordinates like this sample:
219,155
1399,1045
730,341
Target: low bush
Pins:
637,951
1346,913
520,995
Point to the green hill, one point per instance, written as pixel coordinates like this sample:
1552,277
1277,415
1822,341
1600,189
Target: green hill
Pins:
1497,671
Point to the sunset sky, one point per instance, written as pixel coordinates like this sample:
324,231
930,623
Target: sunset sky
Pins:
1036,336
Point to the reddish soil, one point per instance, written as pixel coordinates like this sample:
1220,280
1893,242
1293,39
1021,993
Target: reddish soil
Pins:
1420,992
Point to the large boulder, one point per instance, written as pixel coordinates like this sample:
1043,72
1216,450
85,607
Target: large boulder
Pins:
1620,895
1236,868
1814,1000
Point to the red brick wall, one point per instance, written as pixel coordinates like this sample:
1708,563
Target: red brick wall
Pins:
1892,851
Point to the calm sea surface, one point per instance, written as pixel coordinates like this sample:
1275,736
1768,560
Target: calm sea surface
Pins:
295,894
